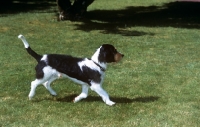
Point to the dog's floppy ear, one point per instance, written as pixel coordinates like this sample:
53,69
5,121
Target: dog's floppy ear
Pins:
102,55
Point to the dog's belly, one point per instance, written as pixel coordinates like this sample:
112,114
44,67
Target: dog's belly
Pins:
60,75
49,72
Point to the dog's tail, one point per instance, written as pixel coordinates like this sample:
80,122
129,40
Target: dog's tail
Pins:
28,48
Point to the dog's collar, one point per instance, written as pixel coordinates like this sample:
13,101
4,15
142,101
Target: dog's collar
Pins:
102,69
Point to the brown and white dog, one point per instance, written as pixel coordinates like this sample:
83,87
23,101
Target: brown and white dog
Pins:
87,72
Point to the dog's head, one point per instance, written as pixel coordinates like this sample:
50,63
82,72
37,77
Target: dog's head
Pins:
108,54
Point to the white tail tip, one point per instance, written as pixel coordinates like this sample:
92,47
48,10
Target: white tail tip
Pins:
20,36
23,40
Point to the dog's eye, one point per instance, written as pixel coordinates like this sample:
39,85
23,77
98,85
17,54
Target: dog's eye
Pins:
115,51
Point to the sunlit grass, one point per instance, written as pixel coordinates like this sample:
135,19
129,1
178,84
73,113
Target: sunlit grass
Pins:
156,84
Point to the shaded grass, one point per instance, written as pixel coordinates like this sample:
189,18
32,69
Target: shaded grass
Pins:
156,84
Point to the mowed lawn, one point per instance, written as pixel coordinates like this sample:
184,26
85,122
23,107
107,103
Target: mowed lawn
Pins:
157,84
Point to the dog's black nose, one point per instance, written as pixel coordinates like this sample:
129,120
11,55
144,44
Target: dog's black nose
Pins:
122,55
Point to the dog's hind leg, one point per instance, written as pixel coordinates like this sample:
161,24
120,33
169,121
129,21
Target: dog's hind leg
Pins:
83,94
48,87
99,90
34,85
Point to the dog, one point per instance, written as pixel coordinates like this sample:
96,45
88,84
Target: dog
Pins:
75,11
87,72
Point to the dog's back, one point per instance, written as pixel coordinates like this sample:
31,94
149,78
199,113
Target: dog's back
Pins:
78,68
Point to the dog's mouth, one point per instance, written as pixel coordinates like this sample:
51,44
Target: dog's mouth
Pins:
118,56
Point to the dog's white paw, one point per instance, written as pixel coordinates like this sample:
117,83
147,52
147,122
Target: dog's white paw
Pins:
53,93
29,97
110,103
76,99
31,94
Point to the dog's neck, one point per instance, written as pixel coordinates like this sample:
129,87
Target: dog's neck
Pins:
95,59
102,69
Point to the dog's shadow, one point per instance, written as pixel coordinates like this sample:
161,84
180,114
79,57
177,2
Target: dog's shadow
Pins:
115,99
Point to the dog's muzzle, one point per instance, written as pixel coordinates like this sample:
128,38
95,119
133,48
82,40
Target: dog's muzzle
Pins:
118,57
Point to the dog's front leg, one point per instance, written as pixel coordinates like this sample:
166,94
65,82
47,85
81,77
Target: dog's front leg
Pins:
99,90
83,94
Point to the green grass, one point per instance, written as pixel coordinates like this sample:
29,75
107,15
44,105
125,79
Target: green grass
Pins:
156,84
